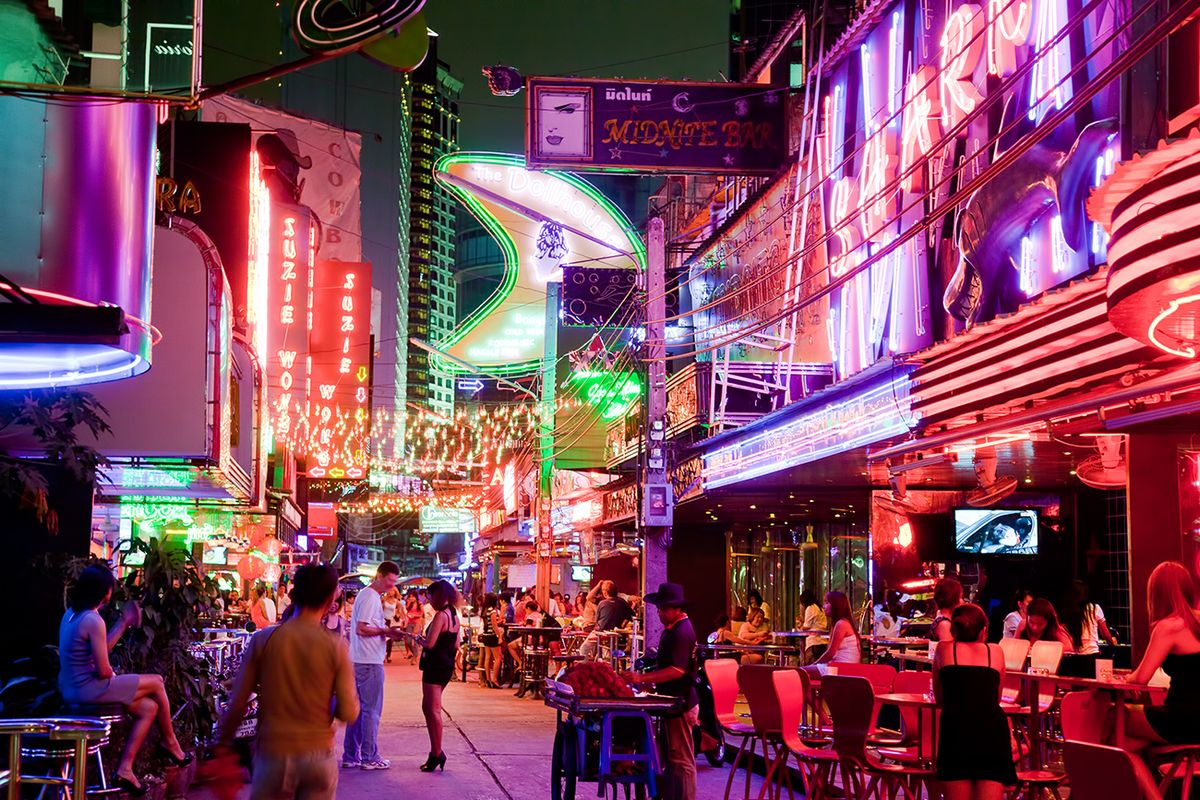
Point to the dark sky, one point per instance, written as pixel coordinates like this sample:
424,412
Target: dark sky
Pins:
673,39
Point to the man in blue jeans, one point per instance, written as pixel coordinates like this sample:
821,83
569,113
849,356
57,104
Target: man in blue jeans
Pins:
369,633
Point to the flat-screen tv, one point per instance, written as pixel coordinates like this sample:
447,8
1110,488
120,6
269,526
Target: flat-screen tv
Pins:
580,574
215,555
996,531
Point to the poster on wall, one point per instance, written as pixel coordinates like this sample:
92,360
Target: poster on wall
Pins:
655,126
307,163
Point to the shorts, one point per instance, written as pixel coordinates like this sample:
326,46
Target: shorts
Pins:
489,640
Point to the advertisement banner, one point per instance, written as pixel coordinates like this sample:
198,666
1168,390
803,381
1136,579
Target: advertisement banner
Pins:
289,314
308,163
340,372
655,126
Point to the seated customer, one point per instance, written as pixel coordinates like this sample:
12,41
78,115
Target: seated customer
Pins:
974,760
86,676
844,644
1041,625
754,631
1174,646
947,596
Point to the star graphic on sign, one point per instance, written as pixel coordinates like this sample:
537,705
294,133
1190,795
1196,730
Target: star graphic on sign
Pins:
728,159
663,153
633,109
614,153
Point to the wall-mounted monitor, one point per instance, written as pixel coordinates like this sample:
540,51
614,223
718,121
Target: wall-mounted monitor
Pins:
996,531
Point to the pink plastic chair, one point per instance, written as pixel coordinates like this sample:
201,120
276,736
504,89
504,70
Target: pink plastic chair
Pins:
1083,715
1097,772
1015,651
882,677
722,676
905,749
816,764
851,703
758,686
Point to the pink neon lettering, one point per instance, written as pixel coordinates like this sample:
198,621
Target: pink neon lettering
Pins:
1009,24
921,126
962,48
878,171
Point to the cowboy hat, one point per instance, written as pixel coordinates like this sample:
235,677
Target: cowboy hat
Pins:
669,595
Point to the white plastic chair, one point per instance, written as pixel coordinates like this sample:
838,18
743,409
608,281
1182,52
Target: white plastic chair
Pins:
1014,651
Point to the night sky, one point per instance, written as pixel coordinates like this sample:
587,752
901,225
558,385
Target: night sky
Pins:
674,39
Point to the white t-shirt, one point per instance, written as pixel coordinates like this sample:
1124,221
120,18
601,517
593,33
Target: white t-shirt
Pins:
369,609
428,611
1011,622
269,610
1089,638
814,620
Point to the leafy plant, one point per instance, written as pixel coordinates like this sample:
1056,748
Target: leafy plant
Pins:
173,596
48,419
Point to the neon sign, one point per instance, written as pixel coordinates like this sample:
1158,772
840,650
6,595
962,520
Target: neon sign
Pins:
541,220
339,369
962,48
611,394
289,303
864,416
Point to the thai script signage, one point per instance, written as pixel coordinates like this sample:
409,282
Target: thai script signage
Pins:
684,389
655,126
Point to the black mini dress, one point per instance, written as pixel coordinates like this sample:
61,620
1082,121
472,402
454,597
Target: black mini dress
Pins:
437,662
973,737
1178,719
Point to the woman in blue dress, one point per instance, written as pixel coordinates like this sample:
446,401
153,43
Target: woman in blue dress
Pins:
86,676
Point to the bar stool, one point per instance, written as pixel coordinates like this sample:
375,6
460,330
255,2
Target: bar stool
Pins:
647,754
64,742
533,670
112,713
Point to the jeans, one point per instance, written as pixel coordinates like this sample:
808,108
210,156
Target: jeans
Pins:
362,735
302,776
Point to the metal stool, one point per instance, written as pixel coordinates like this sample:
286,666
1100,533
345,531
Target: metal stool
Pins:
647,754
65,742
533,670
112,713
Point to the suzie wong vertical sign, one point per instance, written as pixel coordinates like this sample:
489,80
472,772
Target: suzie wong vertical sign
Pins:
655,126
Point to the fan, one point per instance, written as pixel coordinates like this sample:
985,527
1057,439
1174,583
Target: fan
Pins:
991,489
1108,469
898,502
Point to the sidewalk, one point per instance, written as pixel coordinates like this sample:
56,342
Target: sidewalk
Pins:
497,748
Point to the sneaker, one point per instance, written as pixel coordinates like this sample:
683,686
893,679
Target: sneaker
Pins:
350,764
379,763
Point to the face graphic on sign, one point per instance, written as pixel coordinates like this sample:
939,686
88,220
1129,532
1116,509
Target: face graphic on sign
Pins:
564,123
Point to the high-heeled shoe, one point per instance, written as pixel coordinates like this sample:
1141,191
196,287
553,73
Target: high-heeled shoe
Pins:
434,762
129,787
173,759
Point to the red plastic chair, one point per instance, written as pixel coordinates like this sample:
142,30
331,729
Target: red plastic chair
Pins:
906,750
758,686
722,676
1083,716
816,764
882,678
1097,772
851,703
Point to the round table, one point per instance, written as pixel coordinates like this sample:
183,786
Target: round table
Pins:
923,703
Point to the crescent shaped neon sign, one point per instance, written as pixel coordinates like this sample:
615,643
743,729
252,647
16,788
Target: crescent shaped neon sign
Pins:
331,27
518,206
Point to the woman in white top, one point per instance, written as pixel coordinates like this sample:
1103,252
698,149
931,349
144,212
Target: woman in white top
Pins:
755,631
1087,623
844,644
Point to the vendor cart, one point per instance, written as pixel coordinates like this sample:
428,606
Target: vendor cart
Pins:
584,740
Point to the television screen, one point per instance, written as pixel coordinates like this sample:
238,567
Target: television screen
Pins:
581,574
995,531
215,555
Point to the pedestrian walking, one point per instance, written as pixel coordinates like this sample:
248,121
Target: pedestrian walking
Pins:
675,675
305,684
438,646
369,632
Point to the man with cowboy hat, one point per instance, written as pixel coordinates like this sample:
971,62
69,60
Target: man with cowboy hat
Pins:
675,674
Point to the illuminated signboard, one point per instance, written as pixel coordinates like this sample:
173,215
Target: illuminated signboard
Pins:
541,221
907,121
660,126
854,419
339,370
289,314
435,519
611,394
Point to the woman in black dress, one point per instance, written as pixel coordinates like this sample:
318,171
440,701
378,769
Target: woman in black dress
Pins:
1174,646
974,760
489,642
438,647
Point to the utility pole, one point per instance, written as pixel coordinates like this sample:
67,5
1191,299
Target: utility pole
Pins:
544,537
657,502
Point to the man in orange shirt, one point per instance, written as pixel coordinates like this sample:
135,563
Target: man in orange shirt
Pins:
305,683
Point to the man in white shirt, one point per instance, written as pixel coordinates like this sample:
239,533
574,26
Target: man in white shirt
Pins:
369,632
1013,620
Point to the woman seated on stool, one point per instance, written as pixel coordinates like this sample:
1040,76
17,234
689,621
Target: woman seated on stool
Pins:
754,631
86,677
974,760
844,644
1174,646
1041,625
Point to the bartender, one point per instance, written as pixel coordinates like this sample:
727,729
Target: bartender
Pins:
675,675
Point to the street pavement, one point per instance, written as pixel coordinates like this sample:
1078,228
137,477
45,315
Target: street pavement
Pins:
497,748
